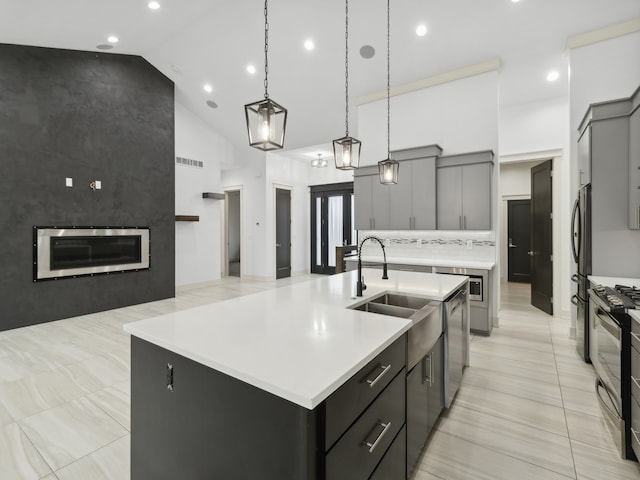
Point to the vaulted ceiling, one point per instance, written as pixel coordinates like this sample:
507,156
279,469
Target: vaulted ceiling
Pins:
198,42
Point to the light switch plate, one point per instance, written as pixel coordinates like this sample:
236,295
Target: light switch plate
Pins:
69,182
98,184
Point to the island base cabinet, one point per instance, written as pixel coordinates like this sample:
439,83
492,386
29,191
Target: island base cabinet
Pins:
357,453
210,425
393,466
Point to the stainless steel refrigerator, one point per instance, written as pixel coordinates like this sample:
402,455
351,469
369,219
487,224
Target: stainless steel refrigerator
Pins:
581,248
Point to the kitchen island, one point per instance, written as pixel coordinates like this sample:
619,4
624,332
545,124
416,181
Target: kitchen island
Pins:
261,386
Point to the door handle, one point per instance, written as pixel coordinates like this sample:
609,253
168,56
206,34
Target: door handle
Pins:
511,245
530,253
278,245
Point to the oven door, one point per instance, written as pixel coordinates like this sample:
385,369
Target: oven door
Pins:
608,356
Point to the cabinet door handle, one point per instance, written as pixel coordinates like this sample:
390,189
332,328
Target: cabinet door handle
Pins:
384,371
372,445
460,222
464,221
429,372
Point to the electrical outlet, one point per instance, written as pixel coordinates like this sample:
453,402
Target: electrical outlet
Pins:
419,243
98,184
68,182
469,244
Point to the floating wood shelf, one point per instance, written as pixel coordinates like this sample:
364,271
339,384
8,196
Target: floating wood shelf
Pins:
187,218
214,196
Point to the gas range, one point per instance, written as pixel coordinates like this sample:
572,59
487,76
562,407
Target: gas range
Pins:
618,299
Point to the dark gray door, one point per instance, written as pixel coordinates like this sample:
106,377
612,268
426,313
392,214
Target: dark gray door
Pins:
283,233
541,238
519,237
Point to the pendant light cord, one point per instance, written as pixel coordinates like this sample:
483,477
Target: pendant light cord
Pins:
346,67
388,84
266,50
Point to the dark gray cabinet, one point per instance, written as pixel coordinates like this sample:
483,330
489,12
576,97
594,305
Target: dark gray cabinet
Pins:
211,425
425,392
371,200
463,186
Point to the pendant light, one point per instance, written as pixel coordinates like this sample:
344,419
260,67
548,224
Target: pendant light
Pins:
388,168
266,119
346,150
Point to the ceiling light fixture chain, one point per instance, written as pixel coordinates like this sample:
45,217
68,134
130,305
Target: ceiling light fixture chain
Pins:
266,50
346,150
388,81
346,67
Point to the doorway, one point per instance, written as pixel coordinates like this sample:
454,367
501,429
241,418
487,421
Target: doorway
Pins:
283,233
519,240
233,240
541,237
332,224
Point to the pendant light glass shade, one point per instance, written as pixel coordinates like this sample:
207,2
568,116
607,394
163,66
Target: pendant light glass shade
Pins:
266,124
266,119
388,170
346,150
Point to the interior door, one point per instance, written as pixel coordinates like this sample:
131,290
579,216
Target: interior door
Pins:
519,237
283,233
541,238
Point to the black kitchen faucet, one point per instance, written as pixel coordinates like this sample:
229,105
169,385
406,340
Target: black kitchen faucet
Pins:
360,286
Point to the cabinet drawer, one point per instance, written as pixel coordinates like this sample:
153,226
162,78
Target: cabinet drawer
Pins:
393,465
352,398
635,374
635,334
635,427
360,449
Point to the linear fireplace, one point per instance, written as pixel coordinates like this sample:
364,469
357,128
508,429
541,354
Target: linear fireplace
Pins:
60,252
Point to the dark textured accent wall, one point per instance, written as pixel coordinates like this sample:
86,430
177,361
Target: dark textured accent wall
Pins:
89,116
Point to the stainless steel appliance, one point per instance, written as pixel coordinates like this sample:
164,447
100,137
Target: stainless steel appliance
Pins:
478,297
456,342
611,358
581,249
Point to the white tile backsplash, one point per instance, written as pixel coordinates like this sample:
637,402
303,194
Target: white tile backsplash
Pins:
433,244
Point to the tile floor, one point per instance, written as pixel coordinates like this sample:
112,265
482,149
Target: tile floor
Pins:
526,408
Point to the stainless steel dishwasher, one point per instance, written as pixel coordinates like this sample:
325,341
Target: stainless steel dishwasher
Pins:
456,342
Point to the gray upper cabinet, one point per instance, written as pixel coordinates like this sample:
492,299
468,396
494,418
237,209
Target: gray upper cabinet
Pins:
463,185
408,205
634,163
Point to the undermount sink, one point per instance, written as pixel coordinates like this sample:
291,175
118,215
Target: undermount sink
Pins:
396,305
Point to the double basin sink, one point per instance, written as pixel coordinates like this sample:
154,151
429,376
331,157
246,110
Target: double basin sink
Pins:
423,312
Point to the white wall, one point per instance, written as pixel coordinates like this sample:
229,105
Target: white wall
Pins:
198,244
539,131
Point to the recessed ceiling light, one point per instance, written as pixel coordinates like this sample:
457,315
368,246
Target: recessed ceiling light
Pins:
552,76
309,45
112,39
367,51
421,30
104,46
212,104
153,5
208,88
251,69
515,1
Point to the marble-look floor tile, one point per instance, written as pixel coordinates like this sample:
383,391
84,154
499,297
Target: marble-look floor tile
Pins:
581,401
115,403
526,443
512,408
514,385
528,370
109,463
51,476
451,457
19,459
589,430
97,372
70,431
593,463
28,396
579,381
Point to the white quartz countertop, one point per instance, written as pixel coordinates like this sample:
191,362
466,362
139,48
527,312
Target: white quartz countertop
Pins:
430,262
613,281
299,342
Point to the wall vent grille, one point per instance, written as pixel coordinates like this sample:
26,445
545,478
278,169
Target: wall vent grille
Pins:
187,162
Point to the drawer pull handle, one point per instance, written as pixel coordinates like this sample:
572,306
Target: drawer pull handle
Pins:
385,428
635,380
635,335
380,375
